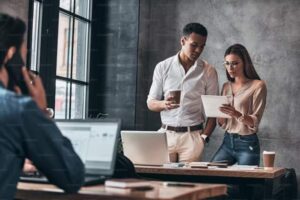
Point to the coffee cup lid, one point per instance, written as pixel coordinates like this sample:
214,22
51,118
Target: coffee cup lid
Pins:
269,152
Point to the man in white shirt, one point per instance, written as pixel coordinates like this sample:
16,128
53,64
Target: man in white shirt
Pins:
183,122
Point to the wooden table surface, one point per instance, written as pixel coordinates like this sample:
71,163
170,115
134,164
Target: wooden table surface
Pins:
222,172
34,191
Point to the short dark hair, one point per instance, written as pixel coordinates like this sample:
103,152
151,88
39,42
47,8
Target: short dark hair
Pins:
241,51
12,32
194,28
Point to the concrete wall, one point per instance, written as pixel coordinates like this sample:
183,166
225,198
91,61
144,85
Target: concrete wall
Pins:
269,29
18,8
15,8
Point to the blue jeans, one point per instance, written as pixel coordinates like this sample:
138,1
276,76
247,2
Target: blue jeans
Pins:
240,149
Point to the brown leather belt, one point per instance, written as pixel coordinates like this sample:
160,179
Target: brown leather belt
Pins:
182,128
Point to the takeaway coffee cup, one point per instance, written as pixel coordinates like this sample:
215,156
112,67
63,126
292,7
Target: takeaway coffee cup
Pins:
176,95
269,158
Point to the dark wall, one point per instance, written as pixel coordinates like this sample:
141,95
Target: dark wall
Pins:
114,60
270,31
158,39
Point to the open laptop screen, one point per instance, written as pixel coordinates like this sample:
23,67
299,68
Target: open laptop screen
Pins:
95,141
145,147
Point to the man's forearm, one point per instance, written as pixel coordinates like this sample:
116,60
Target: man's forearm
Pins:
210,126
156,105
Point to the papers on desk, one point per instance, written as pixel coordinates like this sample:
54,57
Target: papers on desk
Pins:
212,103
174,165
243,167
220,165
238,168
198,164
127,183
141,191
207,164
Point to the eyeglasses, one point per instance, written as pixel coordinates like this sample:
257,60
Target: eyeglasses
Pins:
233,64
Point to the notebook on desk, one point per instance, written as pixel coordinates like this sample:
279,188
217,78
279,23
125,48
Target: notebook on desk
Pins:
145,147
96,142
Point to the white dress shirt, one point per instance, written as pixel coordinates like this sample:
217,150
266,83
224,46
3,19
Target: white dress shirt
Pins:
200,79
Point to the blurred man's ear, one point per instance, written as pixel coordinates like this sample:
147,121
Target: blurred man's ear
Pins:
182,40
4,76
10,52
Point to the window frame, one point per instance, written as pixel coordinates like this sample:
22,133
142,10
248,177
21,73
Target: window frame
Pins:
48,57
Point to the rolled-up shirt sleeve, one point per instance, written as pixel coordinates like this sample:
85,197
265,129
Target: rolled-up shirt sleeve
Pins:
156,89
212,86
259,104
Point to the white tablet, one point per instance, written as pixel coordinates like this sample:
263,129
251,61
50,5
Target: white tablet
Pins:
212,103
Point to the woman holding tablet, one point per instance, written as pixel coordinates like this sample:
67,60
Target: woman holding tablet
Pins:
248,99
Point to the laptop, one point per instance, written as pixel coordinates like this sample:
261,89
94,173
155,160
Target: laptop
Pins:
96,142
145,147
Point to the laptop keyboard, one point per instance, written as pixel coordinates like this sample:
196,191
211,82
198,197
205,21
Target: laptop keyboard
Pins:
33,177
38,177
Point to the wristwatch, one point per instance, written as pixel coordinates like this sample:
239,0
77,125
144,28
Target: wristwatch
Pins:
205,138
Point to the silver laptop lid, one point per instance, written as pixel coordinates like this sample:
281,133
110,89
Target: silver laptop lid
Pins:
95,141
145,147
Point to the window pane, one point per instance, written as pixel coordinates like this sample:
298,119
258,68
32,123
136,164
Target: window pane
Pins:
72,59
80,50
64,43
82,8
67,4
61,99
78,101
35,41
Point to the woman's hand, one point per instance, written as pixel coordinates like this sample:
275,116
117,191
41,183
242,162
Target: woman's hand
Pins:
35,88
230,110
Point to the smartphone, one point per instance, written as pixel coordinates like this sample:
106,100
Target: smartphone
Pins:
14,69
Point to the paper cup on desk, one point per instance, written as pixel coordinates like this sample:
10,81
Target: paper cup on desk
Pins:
176,95
268,159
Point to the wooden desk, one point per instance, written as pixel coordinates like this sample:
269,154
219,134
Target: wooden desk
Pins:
35,191
268,181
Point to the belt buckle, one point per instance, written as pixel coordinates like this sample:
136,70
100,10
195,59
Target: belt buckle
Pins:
177,129
181,129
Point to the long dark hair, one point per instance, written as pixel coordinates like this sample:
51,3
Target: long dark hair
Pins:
12,32
241,51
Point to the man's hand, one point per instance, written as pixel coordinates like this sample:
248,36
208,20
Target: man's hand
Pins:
35,88
160,105
170,103
221,121
28,167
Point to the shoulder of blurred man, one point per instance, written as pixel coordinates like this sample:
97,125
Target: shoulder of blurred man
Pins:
15,106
